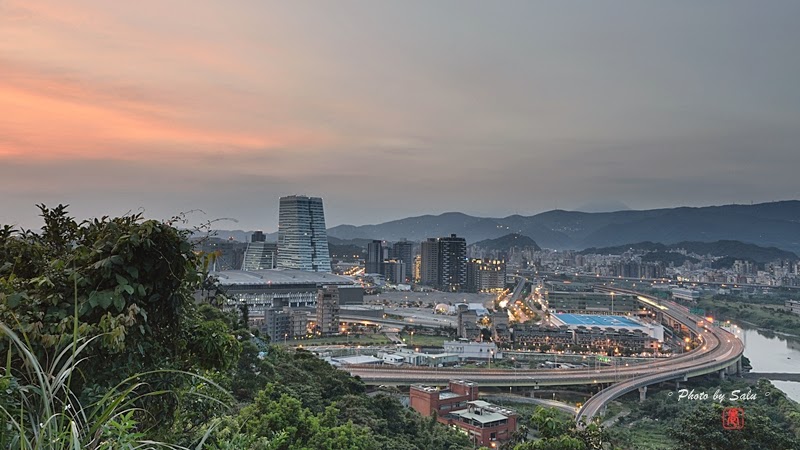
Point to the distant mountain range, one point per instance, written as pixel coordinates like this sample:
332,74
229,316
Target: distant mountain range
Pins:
732,249
504,243
775,224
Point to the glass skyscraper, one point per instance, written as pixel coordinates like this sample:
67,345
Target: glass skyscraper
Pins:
302,239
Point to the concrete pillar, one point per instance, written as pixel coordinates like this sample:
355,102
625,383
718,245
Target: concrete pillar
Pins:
677,385
739,367
722,375
642,393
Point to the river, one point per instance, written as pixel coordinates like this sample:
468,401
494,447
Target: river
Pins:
772,352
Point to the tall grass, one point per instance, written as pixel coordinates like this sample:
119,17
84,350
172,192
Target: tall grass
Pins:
42,413
45,414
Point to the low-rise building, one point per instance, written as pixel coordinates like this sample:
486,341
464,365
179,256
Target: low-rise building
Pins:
458,406
473,350
685,294
537,335
591,302
468,327
486,275
415,358
260,290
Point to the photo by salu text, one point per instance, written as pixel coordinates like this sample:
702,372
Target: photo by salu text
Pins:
718,396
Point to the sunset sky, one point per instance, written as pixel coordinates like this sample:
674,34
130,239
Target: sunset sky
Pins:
394,108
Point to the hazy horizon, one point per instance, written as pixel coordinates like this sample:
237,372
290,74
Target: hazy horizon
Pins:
390,110
198,217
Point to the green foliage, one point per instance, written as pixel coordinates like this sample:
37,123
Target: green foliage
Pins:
758,315
133,281
563,442
663,422
126,280
557,433
42,412
157,366
701,429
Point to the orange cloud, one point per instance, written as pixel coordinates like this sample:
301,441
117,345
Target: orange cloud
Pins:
61,93
47,118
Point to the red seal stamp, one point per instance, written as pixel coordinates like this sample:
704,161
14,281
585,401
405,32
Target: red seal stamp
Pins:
733,418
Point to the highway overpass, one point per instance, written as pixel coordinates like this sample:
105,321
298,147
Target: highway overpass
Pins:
721,350
718,352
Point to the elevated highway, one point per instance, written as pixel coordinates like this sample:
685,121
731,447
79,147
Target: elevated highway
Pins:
720,351
717,352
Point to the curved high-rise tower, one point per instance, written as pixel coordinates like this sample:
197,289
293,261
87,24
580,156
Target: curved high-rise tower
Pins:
302,239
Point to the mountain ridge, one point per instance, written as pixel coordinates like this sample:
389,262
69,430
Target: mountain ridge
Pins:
772,224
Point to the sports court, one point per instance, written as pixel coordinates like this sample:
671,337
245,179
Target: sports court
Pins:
589,320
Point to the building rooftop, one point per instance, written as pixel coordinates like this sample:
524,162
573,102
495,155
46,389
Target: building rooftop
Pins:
589,320
278,277
483,418
425,388
483,412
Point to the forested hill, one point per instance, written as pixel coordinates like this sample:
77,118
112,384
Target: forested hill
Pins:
506,242
733,249
775,224
127,307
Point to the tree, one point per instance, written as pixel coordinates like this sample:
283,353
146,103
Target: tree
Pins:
557,433
702,429
128,280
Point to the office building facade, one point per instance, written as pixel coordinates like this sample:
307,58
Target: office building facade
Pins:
452,263
328,311
486,275
394,271
373,263
302,237
429,262
404,251
444,263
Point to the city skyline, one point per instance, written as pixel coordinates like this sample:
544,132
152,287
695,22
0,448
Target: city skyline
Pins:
391,110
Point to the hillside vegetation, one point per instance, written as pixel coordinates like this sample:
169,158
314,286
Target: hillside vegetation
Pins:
113,337
732,249
775,224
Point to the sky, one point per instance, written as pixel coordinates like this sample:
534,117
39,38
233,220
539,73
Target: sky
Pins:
394,109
